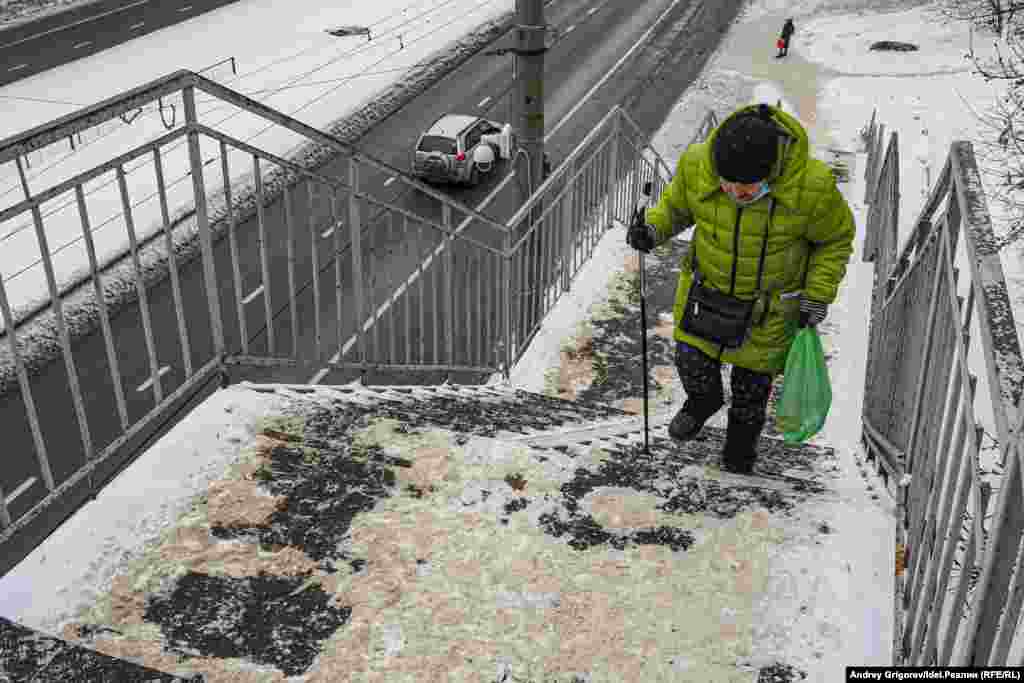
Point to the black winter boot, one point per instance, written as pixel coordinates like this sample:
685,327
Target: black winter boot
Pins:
688,422
740,449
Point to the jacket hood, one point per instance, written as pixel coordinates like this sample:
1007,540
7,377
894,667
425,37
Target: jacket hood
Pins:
794,151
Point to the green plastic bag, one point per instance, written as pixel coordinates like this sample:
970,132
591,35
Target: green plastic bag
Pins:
806,391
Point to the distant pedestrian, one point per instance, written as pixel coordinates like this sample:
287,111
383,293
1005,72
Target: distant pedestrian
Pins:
788,29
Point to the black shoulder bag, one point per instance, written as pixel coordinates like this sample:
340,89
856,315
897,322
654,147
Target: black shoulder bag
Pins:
717,317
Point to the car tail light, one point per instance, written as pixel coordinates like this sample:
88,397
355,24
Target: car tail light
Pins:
461,156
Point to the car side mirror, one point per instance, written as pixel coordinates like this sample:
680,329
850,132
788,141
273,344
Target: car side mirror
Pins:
647,189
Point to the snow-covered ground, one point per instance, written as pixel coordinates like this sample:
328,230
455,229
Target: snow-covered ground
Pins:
832,595
283,57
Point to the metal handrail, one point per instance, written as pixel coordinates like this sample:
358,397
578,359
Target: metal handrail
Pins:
918,360
254,106
556,174
657,157
616,112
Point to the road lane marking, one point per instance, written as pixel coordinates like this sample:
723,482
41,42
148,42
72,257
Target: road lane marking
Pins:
185,8
84,43
611,72
24,486
149,382
252,295
138,25
18,68
328,232
389,181
65,27
570,29
501,186
484,101
591,11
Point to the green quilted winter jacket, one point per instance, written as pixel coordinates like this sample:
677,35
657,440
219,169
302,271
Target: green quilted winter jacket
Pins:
811,234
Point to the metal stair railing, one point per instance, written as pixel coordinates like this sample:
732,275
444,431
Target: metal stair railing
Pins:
205,278
287,269
557,229
929,409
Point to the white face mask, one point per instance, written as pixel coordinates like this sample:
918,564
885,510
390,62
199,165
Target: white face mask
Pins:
762,190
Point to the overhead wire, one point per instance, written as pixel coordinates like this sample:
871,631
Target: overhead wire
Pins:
292,79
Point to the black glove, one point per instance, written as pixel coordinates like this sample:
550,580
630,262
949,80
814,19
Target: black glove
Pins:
641,236
812,312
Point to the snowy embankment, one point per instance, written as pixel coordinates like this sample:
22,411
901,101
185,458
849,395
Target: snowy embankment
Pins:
15,11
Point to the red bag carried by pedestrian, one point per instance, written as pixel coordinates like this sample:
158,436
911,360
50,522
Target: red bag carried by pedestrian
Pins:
780,43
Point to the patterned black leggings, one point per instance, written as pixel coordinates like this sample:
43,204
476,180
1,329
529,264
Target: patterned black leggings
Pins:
701,376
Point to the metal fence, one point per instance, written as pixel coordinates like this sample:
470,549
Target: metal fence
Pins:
236,262
290,277
941,416
555,232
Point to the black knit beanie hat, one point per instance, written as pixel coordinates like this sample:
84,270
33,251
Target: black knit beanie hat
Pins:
746,147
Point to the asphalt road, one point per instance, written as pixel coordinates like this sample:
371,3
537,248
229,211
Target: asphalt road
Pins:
55,39
650,83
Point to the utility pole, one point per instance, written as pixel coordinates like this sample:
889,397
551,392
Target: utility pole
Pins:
528,97
528,123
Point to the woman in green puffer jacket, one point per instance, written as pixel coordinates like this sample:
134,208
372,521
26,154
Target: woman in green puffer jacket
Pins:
759,204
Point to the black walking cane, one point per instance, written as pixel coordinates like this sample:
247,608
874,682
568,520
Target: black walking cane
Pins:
643,319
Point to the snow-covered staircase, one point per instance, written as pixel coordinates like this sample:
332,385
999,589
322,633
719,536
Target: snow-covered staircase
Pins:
549,509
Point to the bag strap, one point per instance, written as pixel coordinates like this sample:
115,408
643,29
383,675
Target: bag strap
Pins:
764,247
693,256
760,260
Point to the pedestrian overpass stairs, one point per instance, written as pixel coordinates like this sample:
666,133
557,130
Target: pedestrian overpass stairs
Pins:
517,537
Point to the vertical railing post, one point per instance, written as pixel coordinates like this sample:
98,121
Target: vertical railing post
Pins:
941,262
203,220
355,224
446,221
179,306
236,263
315,262
108,336
261,231
506,304
140,289
613,164
57,305
567,230
27,399
869,161
293,309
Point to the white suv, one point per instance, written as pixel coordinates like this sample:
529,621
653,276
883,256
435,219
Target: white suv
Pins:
461,149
